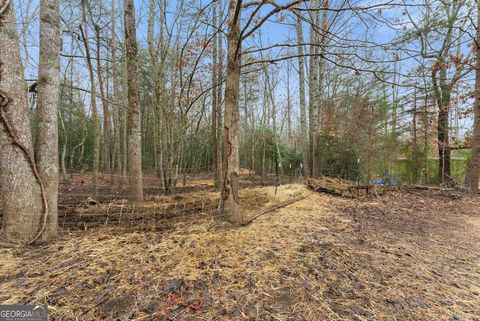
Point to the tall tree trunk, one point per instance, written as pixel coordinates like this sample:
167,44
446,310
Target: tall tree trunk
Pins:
81,111
415,162
263,125
106,111
229,202
444,151
425,138
220,160
278,157
169,165
23,198
474,169
47,108
289,108
115,99
442,93
442,89
216,178
124,113
93,100
152,51
303,112
159,81
395,101
319,91
313,86
135,180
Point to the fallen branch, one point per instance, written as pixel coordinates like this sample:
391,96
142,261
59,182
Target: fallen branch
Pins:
431,188
272,208
436,191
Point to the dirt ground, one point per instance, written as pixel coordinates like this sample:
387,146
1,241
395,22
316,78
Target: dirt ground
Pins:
400,256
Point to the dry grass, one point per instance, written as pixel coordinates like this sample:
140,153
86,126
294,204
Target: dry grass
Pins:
322,258
196,182
160,212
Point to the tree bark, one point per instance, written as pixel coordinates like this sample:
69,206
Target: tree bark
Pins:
153,54
415,160
124,120
303,112
270,94
135,180
47,108
106,110
229,203
215,160
21,190
157,59
442,90
473,172
313,87
319,92
443,144
117,109
93,101
289,108
219,150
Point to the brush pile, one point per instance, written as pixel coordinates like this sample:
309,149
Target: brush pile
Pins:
340,187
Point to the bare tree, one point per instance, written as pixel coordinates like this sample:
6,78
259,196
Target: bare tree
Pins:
313,90
117,107
215,104
47,108
301,86
229,195
106,109
23,197
93,101
219,165
135,180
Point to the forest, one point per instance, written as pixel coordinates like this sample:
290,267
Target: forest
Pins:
240,159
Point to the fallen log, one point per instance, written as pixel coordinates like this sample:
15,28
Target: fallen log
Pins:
272,208
432,188
339,187
437,191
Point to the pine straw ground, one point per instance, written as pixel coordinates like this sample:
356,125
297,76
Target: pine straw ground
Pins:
400,257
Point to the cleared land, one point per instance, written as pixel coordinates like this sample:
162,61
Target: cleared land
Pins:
399,256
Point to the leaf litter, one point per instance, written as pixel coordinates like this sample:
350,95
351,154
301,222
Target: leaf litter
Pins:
402,256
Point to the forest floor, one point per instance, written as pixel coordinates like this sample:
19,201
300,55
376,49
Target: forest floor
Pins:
400,256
